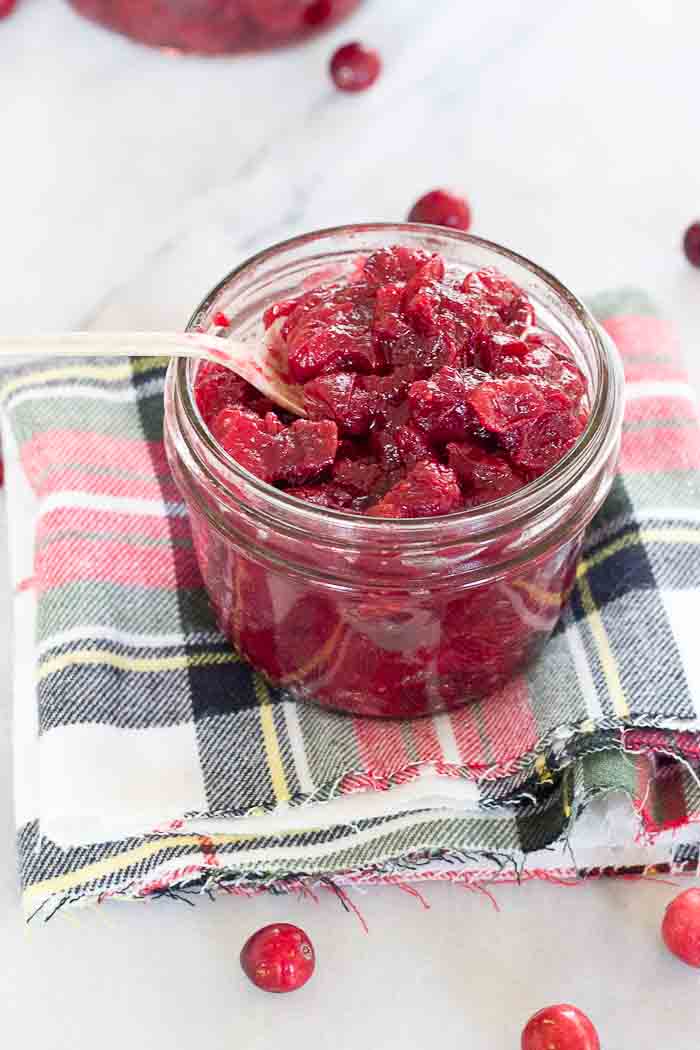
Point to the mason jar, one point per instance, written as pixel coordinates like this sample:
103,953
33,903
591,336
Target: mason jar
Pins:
390,617
216,26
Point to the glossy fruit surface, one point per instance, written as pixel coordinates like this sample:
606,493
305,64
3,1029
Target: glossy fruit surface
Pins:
681,927
560,1027
278,958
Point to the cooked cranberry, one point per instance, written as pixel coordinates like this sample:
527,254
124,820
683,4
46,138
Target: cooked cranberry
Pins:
442,208
396,405
273,452
440,406
560,1027
681,926
483,473
7,7
511,303
355,67
388,265
429,489
278,958
691,244
221,320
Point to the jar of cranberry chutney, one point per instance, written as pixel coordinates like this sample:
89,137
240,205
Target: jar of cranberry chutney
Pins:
370,613
216,26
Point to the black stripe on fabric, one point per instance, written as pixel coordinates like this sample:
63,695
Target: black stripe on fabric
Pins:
89,694
233,760
543,825
221,689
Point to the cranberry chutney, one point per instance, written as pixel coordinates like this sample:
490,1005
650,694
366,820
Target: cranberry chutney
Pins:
409,546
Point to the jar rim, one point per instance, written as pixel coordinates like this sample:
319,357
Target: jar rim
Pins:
486,518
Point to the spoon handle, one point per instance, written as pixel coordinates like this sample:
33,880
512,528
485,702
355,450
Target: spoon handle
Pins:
128,344
252,361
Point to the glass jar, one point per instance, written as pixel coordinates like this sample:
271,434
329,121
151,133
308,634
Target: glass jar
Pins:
383,616
216,26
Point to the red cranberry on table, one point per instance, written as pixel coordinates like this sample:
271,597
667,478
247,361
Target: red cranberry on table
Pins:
442,208
7,7
278,958
560,1027
355,67
691,244
681,927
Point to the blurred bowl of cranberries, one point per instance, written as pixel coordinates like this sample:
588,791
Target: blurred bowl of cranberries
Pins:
408,546
216,26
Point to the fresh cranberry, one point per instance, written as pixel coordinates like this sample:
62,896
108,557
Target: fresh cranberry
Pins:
278,958
691,244
560,1027
221,320
681,927
355,67
442,208
7,7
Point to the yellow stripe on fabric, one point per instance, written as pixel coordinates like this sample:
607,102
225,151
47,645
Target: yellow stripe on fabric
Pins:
272,747
99,868
140,664
110,373
605,653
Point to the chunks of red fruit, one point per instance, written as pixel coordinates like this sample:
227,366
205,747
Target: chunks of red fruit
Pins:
274,452
484,474
440,406
332,335
425,391
500,404
398,447
355,402
537,444
358,476
427,490
388,265
492,287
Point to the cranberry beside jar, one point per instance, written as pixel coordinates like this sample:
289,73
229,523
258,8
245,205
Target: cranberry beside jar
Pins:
216,26
376,615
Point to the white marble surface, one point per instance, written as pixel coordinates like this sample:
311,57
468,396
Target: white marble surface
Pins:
129,182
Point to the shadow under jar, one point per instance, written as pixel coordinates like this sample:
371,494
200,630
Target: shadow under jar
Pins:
216,26
376,616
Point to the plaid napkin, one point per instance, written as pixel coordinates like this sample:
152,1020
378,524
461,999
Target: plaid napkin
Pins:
151,760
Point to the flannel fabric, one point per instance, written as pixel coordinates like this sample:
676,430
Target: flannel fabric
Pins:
149,758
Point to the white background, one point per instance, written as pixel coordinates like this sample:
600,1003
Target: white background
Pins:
129,182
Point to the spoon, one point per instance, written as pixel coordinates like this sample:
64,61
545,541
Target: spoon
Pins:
256,362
